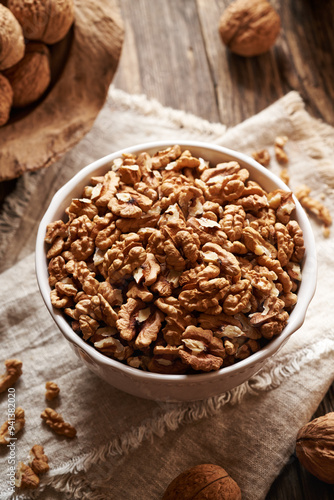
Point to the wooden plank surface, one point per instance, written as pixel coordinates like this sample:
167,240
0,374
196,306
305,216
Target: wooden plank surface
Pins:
172,52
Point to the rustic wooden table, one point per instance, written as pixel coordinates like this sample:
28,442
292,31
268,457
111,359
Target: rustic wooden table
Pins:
172,52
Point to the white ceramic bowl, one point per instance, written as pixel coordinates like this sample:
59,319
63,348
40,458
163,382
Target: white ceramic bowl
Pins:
175,387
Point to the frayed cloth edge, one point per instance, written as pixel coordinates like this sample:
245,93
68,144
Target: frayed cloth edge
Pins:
140,103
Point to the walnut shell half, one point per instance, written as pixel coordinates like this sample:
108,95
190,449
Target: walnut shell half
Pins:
203,482
31,76
47,21
315,447
249,28
11,39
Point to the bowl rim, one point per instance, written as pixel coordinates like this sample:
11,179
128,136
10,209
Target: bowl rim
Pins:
296,319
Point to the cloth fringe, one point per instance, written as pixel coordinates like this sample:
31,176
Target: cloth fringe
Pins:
319,141
65,479
151,107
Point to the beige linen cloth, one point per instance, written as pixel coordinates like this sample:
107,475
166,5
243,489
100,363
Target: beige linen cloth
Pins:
130,448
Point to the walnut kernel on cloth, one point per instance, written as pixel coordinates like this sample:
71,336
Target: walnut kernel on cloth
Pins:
262,156
172,265
13,373
25,477
52,390
313,206
280,154
38,461
56,422
12,426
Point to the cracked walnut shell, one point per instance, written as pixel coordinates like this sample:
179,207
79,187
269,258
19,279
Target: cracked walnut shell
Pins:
249,28
205,481
47,21
315,447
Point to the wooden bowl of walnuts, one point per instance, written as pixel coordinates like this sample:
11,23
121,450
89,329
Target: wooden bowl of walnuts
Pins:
56,65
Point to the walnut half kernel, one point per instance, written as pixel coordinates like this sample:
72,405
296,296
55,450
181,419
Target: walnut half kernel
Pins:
27,476
172,265
52,390
56,422
12,426
13,373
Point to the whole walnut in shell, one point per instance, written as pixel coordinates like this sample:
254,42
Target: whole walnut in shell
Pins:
31,76
11,39
203,482
315,447
6,99
249,28
47,21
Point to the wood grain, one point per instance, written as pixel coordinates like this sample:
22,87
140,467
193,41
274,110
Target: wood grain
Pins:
168,59
172,52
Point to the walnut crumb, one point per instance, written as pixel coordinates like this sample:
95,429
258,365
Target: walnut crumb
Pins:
284,175
326,231
313,206
280,154
262,156
52,390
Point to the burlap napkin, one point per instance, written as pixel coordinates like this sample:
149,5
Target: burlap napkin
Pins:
129,448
